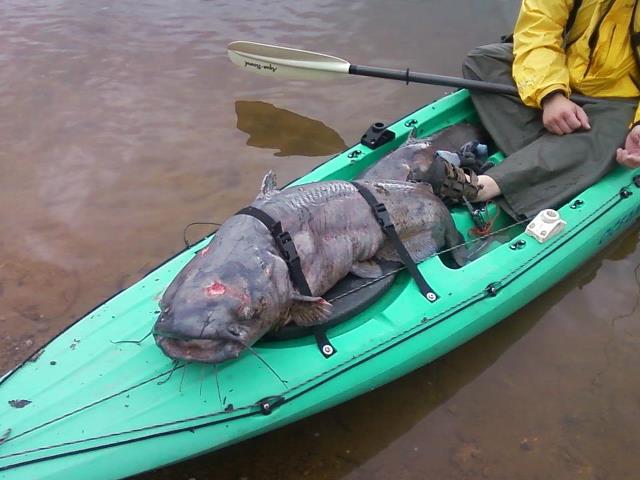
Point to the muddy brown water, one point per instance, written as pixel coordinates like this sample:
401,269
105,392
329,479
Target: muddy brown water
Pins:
121,122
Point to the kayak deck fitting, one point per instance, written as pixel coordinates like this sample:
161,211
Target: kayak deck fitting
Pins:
86,401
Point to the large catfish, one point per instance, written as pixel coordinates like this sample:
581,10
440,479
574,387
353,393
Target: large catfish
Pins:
416,154
238,287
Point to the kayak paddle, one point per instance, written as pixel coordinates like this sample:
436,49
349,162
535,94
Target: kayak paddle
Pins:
294,64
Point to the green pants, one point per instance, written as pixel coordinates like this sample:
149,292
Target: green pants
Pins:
542,170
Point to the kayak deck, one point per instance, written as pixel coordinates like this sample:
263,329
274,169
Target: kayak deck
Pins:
123,408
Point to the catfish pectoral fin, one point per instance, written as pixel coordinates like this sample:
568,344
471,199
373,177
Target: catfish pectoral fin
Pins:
420,246
367,269
309,311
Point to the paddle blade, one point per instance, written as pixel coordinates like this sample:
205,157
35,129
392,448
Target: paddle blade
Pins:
283,62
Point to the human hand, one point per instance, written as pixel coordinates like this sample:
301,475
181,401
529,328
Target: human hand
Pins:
629,156
560,115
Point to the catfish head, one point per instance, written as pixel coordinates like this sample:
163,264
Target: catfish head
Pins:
213,310
229,295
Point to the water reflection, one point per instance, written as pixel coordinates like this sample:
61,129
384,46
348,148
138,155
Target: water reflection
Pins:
290,133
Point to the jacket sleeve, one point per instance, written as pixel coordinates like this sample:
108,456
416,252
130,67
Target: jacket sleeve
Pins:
539,65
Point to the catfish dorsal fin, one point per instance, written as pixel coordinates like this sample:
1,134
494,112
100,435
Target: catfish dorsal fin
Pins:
269,185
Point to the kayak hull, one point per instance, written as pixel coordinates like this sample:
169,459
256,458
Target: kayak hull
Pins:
122,408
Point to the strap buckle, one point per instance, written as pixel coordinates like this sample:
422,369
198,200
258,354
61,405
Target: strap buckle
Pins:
382,216
286,246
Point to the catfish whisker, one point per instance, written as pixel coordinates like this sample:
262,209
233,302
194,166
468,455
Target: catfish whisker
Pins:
266,364
215,370
201,378
184,231
182,378
137,342
175,367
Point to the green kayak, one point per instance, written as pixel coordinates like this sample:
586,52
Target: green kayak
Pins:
88,406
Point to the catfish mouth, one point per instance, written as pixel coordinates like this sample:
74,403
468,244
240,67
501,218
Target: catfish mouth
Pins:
202,350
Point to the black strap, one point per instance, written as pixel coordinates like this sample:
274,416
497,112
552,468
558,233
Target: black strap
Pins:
288,251
285,245
384,220
320,332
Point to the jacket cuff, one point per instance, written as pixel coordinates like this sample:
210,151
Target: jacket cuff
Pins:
551,89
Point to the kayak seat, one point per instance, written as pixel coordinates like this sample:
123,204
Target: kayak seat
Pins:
344,307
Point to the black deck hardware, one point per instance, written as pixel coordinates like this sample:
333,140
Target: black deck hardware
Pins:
625,193
518,244
492,289
377,135
267,404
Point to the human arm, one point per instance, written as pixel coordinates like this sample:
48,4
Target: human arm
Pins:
629,156
539,66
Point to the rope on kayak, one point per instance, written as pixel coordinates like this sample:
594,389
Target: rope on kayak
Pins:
253,411
85,407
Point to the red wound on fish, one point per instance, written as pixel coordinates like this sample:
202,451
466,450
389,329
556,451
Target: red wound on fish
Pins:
204,251
216,288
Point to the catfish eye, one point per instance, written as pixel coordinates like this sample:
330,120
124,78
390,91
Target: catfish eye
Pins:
234,330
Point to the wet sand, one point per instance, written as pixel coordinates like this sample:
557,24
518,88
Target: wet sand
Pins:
123,122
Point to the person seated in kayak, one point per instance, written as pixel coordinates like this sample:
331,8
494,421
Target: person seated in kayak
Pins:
554,147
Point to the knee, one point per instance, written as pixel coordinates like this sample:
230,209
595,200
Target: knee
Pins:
473,61
481,61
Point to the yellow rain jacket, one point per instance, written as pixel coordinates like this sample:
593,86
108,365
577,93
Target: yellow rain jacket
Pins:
595,57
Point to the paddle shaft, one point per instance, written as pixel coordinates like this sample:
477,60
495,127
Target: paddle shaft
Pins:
292,63
444,81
